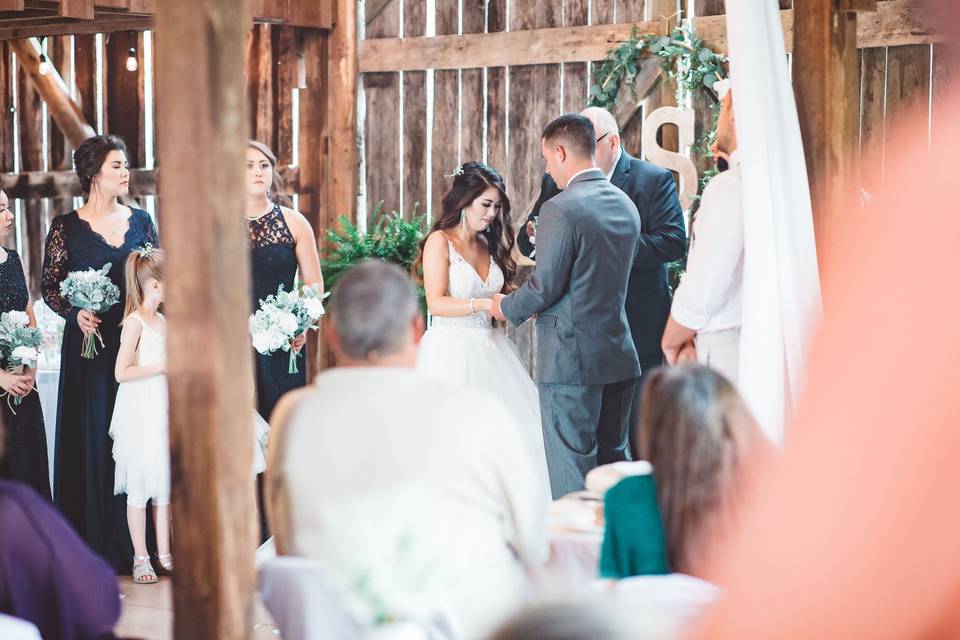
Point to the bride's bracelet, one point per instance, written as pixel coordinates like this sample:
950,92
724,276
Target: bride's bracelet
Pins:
472,310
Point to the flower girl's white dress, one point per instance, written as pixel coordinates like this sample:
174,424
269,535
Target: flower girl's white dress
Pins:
140,432
140,425
468,351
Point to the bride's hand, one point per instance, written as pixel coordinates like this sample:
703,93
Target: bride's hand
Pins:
483,304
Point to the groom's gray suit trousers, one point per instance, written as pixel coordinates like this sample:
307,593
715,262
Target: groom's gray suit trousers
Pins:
583,427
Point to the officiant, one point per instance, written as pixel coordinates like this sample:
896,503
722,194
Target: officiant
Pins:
707,305
663,239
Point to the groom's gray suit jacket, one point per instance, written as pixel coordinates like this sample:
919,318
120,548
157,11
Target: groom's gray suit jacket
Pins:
587,238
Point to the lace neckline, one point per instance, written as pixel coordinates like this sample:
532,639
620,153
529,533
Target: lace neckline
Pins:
270,209
126,233
482,280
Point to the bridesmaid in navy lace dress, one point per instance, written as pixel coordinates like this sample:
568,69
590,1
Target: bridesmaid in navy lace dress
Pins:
102,231
26,441
281,242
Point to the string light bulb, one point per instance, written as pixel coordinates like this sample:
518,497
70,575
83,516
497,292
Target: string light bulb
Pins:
44,68
132,64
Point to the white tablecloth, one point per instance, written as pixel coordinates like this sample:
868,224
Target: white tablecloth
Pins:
48,386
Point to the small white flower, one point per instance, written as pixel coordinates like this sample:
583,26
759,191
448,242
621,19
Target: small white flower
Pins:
26,355
314,307
18,318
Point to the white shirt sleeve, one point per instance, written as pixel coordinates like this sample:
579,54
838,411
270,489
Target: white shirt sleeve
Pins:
715,253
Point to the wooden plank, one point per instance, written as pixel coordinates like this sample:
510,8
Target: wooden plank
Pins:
59,50
534,102
382,122
446,101
29,108
200,77
85,61
873,69
51,88
260,83
471,90
825,78
908,82
288,68
497,95
942,86
80,9
527,47
899,23
576,84
414,139
64,184
603,11
123,94
7,110
55,27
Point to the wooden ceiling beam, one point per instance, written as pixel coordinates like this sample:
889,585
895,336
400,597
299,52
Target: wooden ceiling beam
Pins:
80,9
895,22
63,109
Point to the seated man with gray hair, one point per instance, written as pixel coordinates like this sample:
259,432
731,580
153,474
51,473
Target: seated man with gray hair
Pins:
418,498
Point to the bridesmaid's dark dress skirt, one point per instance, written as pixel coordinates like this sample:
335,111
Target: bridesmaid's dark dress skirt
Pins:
84,467
273,381
25,457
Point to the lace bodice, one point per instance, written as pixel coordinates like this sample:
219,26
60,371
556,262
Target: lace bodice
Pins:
273,255
152,348
464,282
13,286
73,245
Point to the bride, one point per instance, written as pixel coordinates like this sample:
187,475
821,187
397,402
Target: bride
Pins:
466,258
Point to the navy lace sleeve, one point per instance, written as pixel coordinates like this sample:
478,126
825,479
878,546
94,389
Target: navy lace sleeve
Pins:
56,262
151,232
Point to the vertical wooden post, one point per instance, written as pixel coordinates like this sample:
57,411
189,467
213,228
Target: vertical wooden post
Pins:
826,84
203,133
328,127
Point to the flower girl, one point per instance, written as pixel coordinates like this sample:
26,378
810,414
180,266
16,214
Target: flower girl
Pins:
139,427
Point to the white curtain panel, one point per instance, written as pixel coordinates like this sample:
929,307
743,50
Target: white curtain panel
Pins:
781,291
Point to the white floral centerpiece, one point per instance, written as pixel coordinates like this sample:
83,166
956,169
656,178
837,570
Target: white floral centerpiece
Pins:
93,291
284,316
19,345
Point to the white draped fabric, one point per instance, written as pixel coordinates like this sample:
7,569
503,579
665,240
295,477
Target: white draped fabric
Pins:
781,286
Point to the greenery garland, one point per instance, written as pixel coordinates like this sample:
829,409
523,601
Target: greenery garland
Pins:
683,56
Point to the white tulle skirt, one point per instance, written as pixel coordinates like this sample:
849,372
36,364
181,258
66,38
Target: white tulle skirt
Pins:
141,438
486,359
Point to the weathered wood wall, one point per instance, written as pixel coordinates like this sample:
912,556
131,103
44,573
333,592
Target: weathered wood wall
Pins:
408,141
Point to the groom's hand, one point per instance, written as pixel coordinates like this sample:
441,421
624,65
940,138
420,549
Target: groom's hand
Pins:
495,310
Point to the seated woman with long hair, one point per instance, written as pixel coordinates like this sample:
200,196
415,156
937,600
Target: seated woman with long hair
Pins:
48,575
701,439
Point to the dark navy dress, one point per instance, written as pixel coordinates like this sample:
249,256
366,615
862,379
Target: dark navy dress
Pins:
83,467
26,441
273,261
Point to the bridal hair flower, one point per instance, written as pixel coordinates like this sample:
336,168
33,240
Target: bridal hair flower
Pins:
456,172
146,250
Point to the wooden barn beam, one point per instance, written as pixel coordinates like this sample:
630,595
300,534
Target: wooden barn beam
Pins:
60,185
200,91
826,83
80,9
59,28
895,23
66,113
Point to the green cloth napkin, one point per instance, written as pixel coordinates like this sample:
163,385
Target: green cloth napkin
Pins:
633,540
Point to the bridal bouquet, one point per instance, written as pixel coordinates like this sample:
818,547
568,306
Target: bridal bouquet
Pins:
19,344
94,291
284,316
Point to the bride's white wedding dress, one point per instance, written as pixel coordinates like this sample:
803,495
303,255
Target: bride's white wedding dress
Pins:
467,351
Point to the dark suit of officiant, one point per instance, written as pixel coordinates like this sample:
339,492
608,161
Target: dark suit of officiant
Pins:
663,240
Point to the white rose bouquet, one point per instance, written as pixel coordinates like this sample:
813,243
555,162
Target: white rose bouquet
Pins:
19,345
284,316
94,291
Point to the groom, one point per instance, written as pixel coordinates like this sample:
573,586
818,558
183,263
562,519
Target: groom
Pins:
587,364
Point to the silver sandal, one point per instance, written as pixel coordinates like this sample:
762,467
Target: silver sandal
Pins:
166,564
143,572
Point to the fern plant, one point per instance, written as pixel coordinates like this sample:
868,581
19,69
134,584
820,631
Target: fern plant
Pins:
389,237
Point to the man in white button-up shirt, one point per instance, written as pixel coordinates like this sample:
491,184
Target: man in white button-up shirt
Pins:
706,311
